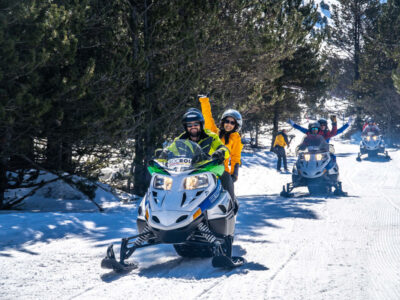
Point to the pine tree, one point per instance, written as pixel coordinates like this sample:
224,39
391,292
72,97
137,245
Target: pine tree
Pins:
378,96
350,21
24,51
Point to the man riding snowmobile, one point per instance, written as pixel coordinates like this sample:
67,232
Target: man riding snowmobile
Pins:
316,166
185,204
324,131
372,142
371,127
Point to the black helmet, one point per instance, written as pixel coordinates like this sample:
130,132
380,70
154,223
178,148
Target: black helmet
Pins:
370,120
233,114
314,125
193,115
323,122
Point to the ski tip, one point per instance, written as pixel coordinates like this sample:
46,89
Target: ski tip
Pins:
109,263
226,262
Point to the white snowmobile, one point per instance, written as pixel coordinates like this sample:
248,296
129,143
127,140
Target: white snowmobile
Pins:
372,144
186,206
315,168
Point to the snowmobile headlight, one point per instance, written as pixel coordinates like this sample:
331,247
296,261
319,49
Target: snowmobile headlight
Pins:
162,182
318,156
307,157
374,137
196,182
368,138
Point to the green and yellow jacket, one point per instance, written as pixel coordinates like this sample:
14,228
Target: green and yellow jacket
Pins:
209,142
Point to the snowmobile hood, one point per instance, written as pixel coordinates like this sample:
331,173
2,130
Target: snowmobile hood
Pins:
313,165
178,196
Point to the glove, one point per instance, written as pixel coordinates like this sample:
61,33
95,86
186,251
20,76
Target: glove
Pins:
218,155
204,95
333,119
235,174
290,122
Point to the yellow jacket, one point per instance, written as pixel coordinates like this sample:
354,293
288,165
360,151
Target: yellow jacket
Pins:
235,145
280,141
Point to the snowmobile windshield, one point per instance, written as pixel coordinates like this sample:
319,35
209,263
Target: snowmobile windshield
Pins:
314,144
182,155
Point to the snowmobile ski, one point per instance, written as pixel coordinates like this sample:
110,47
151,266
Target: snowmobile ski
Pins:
109,262
223,261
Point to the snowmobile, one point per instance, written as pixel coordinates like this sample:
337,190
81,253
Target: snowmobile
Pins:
372,144
315,168
185,206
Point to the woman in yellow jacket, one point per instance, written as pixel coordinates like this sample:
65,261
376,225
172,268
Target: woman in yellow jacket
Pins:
230,123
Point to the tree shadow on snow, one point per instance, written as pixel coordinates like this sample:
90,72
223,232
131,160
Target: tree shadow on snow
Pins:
258,211
195,268
20,230
345,154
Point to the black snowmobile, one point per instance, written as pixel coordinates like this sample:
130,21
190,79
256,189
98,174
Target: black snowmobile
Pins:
372,144
315,168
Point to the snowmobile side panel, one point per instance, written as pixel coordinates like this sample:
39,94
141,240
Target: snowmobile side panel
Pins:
223,226
141,224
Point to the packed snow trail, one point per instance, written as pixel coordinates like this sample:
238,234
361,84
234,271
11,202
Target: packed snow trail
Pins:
298,248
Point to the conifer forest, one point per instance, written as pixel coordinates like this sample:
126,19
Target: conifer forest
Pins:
87,83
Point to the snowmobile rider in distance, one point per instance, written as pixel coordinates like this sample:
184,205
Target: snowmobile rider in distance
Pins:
324,131
228,131
314,138
193,123
370,126
281,141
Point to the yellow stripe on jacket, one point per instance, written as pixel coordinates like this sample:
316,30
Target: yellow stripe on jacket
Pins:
235,145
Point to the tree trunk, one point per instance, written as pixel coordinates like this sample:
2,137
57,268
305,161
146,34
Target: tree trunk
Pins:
5,137
256,137
3,179
144,139
357,33
66,157
141,175
275,125
53,153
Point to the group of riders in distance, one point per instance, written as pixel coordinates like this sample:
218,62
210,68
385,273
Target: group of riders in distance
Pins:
191,200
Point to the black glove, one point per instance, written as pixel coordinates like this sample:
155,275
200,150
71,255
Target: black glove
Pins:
333,119
235,174
207,95
218,155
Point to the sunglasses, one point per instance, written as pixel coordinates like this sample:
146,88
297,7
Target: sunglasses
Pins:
315,128
229,122
189,125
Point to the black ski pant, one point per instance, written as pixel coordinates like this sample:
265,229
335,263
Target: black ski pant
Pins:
280,151
227,184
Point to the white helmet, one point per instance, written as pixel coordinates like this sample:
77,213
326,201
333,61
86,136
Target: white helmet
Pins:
233,114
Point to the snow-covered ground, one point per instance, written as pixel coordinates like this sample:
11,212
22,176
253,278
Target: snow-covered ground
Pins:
299,248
